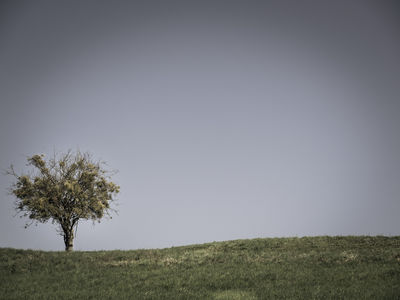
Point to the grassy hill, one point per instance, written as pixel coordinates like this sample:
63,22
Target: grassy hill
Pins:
274,268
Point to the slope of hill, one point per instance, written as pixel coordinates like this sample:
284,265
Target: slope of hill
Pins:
353,267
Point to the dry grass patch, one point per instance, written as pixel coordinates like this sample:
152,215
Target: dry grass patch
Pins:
234,295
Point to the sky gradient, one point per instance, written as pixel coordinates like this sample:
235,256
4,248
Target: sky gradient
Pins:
225,119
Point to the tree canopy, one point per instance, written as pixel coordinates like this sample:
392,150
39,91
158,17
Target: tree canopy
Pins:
64,189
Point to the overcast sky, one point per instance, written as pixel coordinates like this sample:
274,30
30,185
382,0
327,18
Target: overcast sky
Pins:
225,119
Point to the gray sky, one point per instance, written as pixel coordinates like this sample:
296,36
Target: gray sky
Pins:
225,119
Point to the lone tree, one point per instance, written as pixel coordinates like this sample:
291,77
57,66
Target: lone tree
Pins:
65,189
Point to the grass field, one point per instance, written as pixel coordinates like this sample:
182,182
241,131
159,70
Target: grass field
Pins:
274,268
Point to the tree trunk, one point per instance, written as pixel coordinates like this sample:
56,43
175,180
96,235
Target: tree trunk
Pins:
69,240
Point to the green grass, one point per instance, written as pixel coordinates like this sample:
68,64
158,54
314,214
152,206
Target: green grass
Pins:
275,268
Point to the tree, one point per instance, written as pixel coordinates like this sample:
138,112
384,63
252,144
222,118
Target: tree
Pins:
65,189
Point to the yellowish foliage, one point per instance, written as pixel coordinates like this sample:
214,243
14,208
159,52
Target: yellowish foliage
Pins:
64,190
